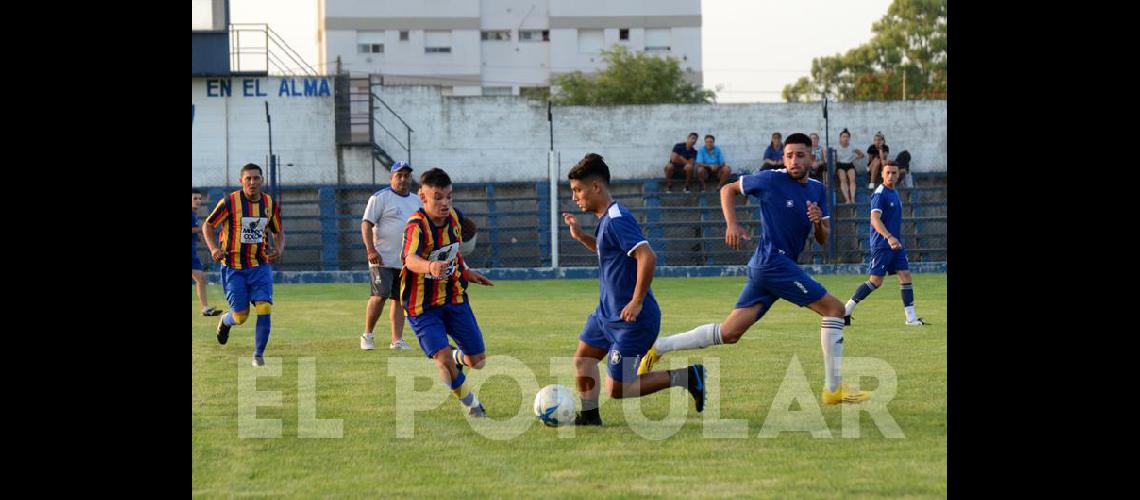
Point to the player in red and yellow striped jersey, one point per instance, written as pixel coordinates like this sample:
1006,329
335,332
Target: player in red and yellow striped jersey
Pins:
434,288
244,216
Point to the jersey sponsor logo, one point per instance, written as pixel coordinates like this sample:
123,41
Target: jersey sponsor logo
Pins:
789,203
253,229
615,357
801,285
446,254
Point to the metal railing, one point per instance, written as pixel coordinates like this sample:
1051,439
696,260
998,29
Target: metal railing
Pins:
271,56
322,224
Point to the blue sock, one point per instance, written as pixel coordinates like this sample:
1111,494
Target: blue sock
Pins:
907,295
261,337
228,319
863,291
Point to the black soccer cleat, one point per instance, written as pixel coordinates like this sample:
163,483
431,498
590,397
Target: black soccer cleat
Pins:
847,320
696,385
223,331
580,419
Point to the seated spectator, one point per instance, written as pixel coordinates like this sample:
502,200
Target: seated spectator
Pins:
681,161
710,163
818,160
845,156
774,153
903,162
877,154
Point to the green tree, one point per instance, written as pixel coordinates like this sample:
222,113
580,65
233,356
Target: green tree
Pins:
631,78
908,47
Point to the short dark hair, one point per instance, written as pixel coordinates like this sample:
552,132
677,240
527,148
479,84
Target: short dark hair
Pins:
890,163
710,136
693,134
798,138
194,190
777,134
435,178
591,165
250,166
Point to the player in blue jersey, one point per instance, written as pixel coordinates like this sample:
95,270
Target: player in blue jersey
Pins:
887,253
627,320
791,206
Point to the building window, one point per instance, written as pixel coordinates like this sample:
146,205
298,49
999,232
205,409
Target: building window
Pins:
496,36
488,91
623,34
370,42
403,36
590,41
534,36
437,42
657,39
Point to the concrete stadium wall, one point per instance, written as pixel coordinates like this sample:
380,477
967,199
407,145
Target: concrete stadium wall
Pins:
506,139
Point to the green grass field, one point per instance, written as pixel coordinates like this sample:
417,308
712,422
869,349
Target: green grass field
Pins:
531,322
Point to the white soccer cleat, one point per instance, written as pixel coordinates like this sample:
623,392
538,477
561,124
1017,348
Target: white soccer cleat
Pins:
258,361
400,345
916,322
366,343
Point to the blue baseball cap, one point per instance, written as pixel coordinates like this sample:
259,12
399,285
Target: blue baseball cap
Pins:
400,165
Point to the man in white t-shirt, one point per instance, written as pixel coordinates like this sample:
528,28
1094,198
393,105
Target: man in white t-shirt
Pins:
383,232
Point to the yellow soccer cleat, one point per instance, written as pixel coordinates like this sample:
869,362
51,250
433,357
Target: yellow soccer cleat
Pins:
843,394
648,361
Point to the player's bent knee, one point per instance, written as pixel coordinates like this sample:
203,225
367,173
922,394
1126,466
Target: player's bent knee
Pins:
241,316
477,361
263,308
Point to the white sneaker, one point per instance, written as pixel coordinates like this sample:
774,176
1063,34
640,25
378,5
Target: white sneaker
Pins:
399,344
258,361
870,185
916,322
366,343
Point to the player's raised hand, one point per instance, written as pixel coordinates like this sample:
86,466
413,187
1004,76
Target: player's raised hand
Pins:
475,277
570,220
630,312
814,212
733,235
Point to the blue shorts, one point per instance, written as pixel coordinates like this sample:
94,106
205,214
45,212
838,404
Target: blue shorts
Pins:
195,263
780,280
434,325
885,261
244,286
626,342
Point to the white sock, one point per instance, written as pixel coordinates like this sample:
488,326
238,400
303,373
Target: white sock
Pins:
471,400
910,316
831,339
850,307
697,338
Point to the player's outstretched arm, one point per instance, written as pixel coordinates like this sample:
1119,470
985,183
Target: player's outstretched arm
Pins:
576,232
473,276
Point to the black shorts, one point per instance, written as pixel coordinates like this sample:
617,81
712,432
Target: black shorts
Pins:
678,169
844,166
385,281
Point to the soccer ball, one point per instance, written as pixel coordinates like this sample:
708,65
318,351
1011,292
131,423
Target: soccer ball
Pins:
554,405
